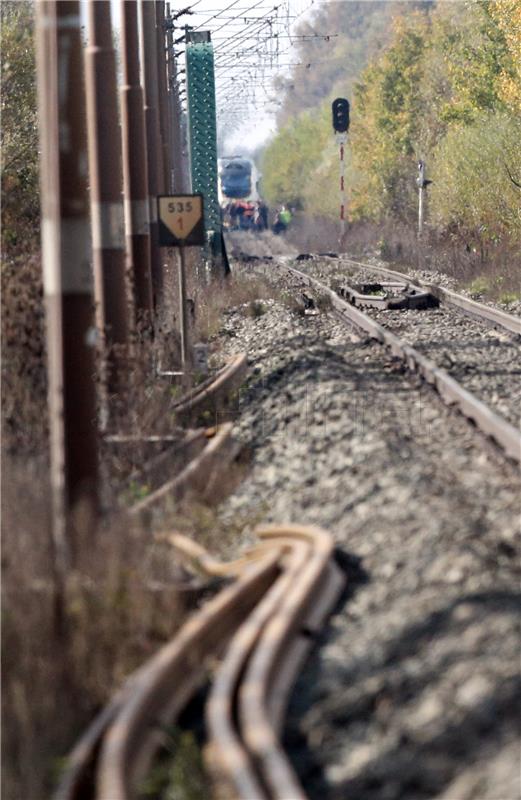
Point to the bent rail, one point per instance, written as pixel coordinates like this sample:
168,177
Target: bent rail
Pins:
494,316
214,390
490,423
220,450
260,626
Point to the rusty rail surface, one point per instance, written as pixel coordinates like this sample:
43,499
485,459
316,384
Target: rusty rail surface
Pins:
490,423
219,451
488,314
214,391
259,626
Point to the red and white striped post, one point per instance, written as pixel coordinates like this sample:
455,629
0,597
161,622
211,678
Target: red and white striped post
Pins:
340,110
341,140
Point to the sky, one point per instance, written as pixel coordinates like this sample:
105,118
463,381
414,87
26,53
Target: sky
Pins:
253,42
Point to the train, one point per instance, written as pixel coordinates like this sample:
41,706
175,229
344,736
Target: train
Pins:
238,180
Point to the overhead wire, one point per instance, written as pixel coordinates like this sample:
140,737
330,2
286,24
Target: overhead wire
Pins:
259,36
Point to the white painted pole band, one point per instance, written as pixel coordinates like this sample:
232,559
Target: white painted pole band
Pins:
108,228
137,217
68,244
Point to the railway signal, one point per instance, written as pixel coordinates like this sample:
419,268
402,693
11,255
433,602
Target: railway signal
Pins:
340,108
340,112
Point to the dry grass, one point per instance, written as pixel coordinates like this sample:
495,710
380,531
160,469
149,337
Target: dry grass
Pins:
212,300
466,259
123,598
122,602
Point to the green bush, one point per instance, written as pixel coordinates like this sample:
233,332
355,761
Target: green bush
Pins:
472,188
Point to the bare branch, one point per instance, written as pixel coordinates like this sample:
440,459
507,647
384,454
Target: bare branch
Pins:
516,184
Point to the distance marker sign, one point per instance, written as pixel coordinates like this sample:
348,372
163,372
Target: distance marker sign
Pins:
181,220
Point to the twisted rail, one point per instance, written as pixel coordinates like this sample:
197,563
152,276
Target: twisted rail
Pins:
260,625
493,316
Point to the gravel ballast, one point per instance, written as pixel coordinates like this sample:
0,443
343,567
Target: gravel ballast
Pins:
412,691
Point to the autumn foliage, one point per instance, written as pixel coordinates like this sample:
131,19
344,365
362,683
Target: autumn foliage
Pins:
445,87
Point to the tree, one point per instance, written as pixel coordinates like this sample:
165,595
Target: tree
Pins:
473,191
19,130
506,14
387,111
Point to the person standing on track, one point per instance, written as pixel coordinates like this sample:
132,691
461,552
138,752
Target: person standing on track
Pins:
282,220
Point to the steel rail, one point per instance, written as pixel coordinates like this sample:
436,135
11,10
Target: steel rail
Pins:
251,689
490,423
228,758
493,316
168,682
115,750
253,622
213,393
257,727
219,450
214,390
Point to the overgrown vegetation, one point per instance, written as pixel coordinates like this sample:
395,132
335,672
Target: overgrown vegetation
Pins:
445,88
19,131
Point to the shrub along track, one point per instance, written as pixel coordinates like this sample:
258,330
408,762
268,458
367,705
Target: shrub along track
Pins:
286,583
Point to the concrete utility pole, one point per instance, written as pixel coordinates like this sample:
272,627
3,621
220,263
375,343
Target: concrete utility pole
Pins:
105,187
164,119
154,147
177,135
135,169
66,256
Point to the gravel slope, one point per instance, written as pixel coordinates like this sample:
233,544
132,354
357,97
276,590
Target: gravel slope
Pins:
412,691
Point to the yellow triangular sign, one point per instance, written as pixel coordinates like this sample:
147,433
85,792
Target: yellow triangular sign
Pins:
181,213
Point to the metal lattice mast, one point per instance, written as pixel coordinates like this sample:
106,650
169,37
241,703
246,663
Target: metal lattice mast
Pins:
202,129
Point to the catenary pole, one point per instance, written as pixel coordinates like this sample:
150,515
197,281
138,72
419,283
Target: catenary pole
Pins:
105,188
178,143
154,149
67,274
164,121
135,168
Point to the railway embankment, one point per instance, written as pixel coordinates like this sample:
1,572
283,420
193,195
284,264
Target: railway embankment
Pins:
410,692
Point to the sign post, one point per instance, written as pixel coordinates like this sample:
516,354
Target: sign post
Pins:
422,184
181,224
340,111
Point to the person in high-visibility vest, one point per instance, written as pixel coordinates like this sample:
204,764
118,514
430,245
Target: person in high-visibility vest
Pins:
282,220
285,216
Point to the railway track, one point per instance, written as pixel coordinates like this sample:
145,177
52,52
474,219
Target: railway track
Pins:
257,630
412,338
189,454
343,435
484,313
